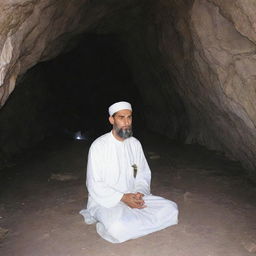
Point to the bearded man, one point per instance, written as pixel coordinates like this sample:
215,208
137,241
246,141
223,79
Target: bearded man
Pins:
118,182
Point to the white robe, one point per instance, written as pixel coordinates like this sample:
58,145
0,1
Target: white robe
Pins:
109,175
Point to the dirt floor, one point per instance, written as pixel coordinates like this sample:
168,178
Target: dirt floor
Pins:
43,191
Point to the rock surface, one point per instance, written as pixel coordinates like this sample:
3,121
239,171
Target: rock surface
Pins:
209,52
224,65
194,60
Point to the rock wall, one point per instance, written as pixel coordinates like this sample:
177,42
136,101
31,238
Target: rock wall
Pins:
28,31
30,115
214,66
224,63
193,60
33,31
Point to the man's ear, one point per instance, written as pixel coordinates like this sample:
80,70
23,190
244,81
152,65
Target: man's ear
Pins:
111,119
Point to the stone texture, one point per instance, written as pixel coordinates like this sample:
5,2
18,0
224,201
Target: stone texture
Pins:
3,233
193,61
221,95
33,31
29,116
28,29
224,64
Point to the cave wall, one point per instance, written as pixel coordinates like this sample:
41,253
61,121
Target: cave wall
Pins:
30,115
229,58
214,66
193,61
34,31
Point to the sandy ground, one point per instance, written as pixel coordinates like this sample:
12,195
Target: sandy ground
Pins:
43,191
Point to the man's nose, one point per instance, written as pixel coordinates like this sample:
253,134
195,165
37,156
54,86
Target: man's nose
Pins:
127,121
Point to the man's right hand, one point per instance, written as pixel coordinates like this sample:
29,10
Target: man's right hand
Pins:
133,201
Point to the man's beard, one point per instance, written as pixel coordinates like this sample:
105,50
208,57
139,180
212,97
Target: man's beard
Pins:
123,133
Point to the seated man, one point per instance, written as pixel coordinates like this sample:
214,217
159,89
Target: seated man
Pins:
118,182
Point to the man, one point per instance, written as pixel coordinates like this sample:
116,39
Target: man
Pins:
118,182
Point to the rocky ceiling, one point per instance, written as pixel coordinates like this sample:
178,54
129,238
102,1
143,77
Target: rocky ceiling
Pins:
194,62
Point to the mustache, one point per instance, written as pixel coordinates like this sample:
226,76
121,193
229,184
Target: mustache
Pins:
127,127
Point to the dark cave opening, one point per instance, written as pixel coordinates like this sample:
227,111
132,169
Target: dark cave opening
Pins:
68,94
88,79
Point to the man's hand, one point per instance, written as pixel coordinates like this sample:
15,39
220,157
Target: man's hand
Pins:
134,200
139,195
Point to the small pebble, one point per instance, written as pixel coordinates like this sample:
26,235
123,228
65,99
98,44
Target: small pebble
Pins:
250,246
3,233
154,157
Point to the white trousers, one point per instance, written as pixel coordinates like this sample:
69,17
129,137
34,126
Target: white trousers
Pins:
121,223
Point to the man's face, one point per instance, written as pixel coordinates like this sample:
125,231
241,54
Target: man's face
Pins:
122,123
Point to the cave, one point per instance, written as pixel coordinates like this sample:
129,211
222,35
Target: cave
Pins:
187,67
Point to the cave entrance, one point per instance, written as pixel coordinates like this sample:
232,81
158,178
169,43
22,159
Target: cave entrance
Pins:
70,93
86,80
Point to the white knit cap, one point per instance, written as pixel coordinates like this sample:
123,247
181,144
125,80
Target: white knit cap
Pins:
119,106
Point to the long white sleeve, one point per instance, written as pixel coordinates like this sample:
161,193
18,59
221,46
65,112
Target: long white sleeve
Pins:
100,192
143,178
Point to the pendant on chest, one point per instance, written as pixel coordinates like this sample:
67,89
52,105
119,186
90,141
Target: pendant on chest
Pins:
135,170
